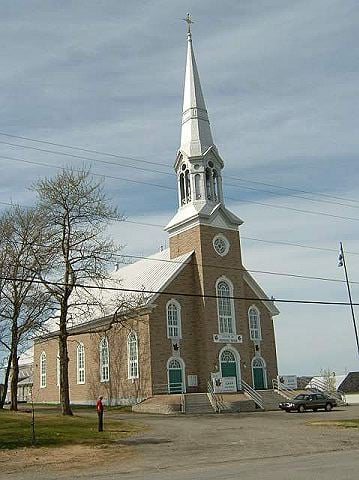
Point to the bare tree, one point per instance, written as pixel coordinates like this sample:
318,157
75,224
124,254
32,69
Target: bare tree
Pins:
24,304
77,214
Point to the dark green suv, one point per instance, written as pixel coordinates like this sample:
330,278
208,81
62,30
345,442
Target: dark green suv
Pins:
309,401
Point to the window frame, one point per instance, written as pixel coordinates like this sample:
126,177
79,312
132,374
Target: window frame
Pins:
226,323
104,361
43,369
132,363
255,333
80,364
178,327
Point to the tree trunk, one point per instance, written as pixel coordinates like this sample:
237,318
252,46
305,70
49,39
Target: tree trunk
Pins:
64,373
6,383
14,378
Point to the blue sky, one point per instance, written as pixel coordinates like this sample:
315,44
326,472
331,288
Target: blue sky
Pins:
280,81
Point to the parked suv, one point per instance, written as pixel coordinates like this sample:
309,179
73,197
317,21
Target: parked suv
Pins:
309,401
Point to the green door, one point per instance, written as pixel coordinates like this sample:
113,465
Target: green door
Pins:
228,369
258,378
175,379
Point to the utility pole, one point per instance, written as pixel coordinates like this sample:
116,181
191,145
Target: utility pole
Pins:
343,264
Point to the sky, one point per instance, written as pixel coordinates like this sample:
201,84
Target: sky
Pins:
280,81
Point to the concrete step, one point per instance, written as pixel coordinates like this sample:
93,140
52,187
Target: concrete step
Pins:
197,403
271,399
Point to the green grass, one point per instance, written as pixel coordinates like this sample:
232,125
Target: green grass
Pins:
53,429
353,423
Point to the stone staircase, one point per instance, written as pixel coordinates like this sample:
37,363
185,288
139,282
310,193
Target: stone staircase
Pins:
271,399
197,403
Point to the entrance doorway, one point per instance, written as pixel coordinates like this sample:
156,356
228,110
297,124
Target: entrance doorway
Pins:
228,365
175,376
259,374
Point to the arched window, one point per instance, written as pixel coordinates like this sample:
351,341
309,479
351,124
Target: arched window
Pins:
215,185
225,308
80,364
58,369
173,319
227,356
43,370
104,361
182,189
197,184
132,355
254,323
187,186
208,184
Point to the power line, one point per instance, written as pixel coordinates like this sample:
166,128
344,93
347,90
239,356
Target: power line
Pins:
81,157
136,159
289,195
112,177
243,237
102,175
207,265
180,294
298,210
96,160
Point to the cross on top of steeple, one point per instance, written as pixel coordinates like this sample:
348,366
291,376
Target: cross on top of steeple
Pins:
188,19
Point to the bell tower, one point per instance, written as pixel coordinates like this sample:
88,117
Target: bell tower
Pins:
198,164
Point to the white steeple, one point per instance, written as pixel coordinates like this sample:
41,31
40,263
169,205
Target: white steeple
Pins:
198,164
196,136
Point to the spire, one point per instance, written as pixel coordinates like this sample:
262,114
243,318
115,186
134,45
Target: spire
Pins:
196,136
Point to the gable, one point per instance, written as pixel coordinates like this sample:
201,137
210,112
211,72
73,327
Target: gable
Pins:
257,290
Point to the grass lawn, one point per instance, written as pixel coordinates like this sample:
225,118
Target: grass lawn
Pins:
353,423
53,429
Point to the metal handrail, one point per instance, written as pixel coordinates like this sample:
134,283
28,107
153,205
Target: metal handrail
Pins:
216,400
282,389
168,388
252,394
320,385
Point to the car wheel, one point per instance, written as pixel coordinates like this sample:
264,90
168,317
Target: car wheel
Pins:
315,409
287,410
328,407
301,409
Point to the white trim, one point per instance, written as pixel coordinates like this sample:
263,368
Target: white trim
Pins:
259,329
238,363
264,370
80,350
102,363
172,277
179,318
43,369
231,294
273,310
180,360
220,236
131,362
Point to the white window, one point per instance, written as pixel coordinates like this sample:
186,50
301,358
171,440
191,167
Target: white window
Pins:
225,307
80,364
104,361
43,370
254,323
132,355
58,369
173,319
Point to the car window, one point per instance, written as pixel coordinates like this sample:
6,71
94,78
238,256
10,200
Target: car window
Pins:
299,397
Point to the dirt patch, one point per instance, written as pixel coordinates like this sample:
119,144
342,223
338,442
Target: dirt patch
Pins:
71,457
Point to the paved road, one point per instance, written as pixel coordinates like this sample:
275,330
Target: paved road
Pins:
269,445
324,466
327,466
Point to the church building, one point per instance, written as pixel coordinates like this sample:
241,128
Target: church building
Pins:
207,320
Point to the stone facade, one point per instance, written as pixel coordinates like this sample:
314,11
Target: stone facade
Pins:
206,341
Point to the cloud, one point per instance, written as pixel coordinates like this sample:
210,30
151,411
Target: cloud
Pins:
280,81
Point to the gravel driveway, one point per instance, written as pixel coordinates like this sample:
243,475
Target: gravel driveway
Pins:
174,441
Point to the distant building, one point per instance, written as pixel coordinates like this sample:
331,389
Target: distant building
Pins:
207,315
